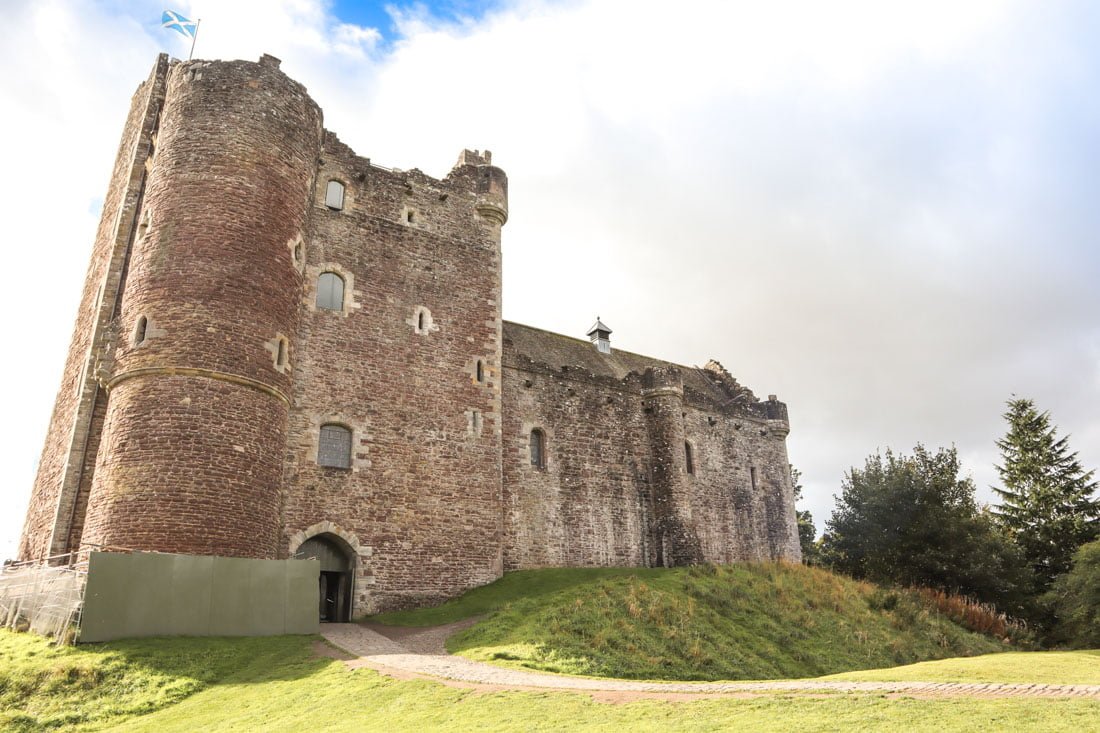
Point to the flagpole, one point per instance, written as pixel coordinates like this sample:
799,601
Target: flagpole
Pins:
194,38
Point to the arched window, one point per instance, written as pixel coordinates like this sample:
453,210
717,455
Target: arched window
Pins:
334,195
688,458
281,355
334,446
330,291
538,448
140,330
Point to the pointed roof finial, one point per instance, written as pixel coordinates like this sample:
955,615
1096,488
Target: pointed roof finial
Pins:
597,327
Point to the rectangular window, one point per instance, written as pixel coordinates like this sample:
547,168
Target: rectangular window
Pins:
334,195
334,447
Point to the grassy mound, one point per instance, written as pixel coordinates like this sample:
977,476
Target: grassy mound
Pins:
755,621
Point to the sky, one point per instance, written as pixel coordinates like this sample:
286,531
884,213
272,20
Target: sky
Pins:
887,214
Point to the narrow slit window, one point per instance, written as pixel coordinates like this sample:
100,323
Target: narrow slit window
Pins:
334,447
140,330
420,321
538,448
688,458
334,195
480,371
330,291
280,358
752,477
409,216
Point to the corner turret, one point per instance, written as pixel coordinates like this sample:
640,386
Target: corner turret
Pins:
490,184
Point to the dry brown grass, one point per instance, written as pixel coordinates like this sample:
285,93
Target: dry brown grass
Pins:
976,616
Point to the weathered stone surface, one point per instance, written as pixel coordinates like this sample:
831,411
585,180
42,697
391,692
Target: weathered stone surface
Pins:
202,370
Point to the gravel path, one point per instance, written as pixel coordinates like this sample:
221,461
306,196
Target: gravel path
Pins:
409,653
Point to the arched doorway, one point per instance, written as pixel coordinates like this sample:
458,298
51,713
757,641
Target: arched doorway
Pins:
334,584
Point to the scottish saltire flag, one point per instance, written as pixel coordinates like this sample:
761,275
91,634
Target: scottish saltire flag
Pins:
177,22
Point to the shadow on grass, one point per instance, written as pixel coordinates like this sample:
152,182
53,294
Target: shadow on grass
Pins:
45,687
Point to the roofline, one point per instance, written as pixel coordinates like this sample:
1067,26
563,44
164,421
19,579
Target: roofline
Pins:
588,344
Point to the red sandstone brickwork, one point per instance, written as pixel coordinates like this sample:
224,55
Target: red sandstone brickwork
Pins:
423,494
185,466
191,459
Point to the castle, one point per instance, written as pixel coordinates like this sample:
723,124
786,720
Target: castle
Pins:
283,349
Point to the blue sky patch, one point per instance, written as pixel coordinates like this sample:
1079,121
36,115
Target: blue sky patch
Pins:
374,14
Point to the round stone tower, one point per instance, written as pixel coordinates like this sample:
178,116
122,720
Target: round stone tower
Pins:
663,402
193,442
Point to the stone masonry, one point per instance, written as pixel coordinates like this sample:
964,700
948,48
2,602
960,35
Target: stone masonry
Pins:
256,288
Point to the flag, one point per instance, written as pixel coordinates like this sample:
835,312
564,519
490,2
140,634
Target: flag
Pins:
177,22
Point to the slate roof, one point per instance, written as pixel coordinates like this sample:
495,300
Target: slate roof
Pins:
555,351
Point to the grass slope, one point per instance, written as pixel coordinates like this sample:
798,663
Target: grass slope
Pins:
750,621
277,684
530,584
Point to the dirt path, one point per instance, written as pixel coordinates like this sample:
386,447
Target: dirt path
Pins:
419,653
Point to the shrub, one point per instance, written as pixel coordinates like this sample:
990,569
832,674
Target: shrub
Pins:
1075,599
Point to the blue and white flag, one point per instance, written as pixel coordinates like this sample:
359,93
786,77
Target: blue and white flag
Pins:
177,22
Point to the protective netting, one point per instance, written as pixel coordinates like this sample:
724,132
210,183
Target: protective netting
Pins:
42,598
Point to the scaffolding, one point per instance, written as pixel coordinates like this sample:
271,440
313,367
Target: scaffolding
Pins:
45,596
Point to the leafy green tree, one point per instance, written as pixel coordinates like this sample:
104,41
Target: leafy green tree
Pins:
1075,599
807,532
1047,506
911,520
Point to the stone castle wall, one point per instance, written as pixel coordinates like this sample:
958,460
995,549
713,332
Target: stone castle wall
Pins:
397,365
616,487
203,368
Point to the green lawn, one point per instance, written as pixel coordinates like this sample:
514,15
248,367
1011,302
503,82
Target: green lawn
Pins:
278,684
1045,668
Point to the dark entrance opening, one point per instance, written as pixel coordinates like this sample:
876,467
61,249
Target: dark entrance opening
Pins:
334,584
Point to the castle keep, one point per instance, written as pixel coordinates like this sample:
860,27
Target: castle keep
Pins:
286,350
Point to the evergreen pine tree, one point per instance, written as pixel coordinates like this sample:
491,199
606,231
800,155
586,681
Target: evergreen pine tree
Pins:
1047,505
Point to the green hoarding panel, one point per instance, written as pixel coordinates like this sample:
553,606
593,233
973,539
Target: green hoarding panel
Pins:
191,594
105,597
147,594
302,614
267,597
230,605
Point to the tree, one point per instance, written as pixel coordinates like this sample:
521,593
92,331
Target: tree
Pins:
807,532
1047,506
1075,598
911,520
